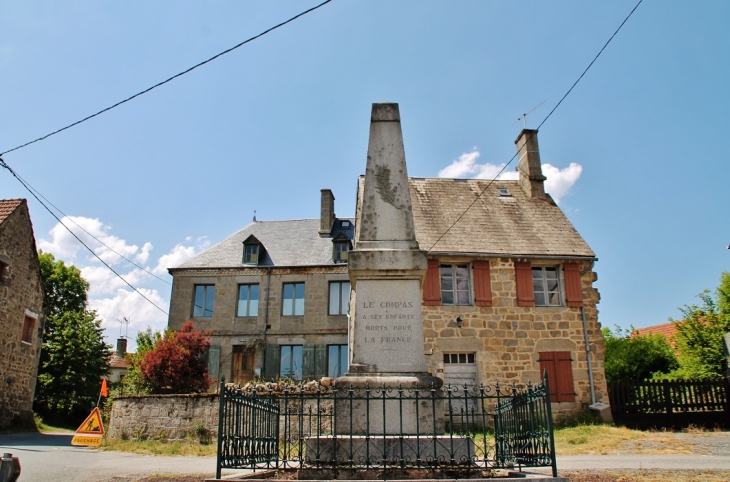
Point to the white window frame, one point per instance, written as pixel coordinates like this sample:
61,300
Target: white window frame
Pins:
454,283
246,303
338,370
292,309
343,303
541,281
207,292
293,371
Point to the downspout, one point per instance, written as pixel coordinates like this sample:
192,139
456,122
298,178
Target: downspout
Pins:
588,354
266,316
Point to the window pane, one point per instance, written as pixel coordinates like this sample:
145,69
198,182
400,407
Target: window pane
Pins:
242,300
447,284
198,302
209,298
447,297
462,357
285,361
462,271
333,357
299,301
551,273
344,360
334,299
540,299
471,357
454,358
253,300
344,298
462,297
447,358
297,362
554,299
552,285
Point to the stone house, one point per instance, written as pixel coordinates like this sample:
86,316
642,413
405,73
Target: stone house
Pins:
275,296
508,293
509,289
21,311
119,362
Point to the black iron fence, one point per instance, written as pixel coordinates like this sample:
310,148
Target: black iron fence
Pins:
451,431
665,404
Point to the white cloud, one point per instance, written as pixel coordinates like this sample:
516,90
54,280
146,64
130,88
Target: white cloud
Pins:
558,183
108,294
176,257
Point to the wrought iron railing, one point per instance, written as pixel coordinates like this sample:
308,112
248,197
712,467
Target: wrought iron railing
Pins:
451,431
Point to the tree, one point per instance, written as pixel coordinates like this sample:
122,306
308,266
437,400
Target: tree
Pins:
74,356
699,335
177,362
638,357
135,382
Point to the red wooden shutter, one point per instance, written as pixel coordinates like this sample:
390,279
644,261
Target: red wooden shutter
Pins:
560,374
432,285
482,283
564,369
523,277
573,290
547,363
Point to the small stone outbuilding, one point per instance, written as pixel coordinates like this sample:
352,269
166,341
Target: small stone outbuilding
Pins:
21,311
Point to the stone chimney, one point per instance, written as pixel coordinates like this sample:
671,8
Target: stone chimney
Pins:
121,347
327,214
528,165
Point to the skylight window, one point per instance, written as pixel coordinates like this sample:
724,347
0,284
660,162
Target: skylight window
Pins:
505,192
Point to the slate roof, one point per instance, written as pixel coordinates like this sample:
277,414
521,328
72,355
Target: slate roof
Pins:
286,243
515,225
7,206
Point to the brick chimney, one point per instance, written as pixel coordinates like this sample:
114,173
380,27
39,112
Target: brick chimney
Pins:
121,347
327,214
528,165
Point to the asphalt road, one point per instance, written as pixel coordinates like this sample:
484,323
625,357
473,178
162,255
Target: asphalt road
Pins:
51,457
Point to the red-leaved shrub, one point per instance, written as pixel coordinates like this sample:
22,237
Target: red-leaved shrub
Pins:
177,363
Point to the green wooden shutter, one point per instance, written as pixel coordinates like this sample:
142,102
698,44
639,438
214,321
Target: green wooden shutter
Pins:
214,360
320,361
271,361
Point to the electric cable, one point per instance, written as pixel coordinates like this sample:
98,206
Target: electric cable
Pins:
538,127
26,183
169,79
5,165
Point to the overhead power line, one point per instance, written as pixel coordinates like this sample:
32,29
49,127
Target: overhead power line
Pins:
5,165
538,127
169,79
36,191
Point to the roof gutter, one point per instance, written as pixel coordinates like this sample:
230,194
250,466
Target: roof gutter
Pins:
511,255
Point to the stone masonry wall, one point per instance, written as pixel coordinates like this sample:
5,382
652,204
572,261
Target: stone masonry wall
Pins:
316,326
21,290
507,338
168,417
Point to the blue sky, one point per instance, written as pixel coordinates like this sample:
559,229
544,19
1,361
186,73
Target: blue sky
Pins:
637,152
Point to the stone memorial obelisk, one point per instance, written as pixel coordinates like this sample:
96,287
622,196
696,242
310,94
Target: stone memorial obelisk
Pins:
386,268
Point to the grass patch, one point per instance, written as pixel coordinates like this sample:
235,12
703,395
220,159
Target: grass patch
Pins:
157,447
592,439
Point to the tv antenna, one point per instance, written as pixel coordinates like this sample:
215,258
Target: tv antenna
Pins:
523,117
122,322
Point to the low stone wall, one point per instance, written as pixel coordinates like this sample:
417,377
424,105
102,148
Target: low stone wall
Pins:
165,417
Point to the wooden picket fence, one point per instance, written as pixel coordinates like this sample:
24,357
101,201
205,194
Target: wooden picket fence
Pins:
664,404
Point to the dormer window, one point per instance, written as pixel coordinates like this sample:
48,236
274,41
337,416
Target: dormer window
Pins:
341,250
341,245
251,254
252,251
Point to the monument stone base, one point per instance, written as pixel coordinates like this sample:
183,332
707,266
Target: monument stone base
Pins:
408,450
377,404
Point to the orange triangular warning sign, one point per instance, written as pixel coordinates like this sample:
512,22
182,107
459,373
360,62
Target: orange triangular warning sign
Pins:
92,425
